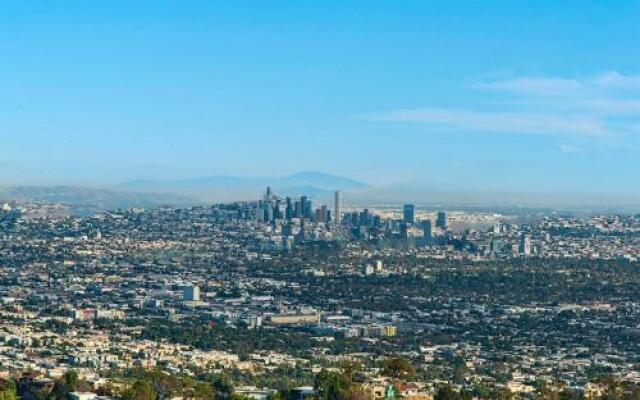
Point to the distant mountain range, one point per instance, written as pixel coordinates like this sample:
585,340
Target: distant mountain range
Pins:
86,201
180,193
319,186
226,188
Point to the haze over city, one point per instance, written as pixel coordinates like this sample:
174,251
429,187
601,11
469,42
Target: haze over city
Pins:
445,99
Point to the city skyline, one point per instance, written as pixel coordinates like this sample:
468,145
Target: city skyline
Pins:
319,200
430,96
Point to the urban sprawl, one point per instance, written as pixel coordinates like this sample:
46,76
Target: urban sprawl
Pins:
283,298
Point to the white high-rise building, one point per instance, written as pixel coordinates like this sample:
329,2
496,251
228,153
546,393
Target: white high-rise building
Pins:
525,245
336,207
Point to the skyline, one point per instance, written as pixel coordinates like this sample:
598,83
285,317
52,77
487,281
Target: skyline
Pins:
507,97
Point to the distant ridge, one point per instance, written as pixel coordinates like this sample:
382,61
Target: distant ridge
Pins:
86,201
223,188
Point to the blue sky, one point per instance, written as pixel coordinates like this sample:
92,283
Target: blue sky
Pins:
501,95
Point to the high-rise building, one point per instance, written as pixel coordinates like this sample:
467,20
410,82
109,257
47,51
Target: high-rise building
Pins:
287,229
260,212
277,211
305,204
408,213
191,293
268,212
322,214
404,233
364,218
427,230
441,220
355,218
336,207
308,209
288,211
525,245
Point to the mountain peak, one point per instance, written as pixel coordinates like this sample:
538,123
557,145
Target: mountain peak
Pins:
323,181
228,187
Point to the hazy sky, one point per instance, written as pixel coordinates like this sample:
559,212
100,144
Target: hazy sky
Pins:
515,95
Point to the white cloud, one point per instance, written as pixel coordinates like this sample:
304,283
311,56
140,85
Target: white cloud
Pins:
533,85
501,122
612,106
616,80
552,86
556,106
570,149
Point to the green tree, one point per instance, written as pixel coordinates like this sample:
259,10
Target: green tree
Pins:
60,391
331,385
397,367
356,392
222,386
140,390
71,380
9,391
448,393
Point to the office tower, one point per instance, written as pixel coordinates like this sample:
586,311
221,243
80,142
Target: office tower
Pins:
525,245
427,230
288,211
307,210
321,214
302,233
191,293
277,211
441,221
305,207
268,213
297,209
408,212
287,229
336,207
354,218
404,233
364,218
260,212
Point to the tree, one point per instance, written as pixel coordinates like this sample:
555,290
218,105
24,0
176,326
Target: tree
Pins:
202,391
447,393
222,386
60,391
10,391
356,392
331,385
71,380
349,369
397,367
140,390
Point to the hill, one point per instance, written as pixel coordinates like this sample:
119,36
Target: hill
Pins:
83,201
226,188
